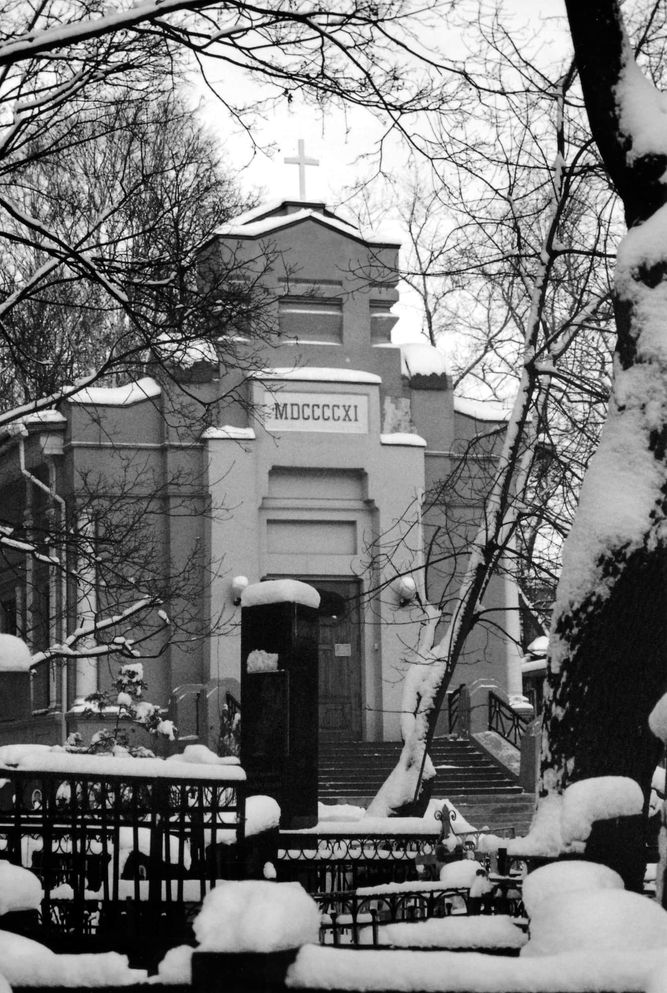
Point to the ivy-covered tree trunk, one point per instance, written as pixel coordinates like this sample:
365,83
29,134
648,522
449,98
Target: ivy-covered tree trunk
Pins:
608,653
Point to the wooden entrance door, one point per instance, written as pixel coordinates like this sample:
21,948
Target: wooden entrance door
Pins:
340,660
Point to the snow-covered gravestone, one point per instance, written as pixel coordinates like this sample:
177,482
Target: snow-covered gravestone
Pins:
279,695
15,661
249,933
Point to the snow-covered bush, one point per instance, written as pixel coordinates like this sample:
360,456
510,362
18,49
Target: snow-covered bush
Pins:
20,889
595,921
556,878
126,705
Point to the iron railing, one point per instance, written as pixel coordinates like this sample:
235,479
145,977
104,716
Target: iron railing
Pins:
105,843
233,708
458,703
230,726
338,862
506,721
353,917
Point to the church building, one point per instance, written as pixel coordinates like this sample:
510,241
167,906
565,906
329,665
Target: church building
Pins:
320,454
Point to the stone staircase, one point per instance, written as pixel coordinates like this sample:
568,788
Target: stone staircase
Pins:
485,794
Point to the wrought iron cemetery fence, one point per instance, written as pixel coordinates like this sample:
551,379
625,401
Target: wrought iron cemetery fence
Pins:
336,862
123,845
354,917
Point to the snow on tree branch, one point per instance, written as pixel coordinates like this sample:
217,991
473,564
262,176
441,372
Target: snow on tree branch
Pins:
94,627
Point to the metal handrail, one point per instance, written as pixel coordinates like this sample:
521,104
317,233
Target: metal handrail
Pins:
505,721
453,700
230,725
459,711
233,707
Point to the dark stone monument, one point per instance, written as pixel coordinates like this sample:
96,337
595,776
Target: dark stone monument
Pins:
279,696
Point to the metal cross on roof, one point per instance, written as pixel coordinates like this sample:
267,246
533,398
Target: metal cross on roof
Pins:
301,160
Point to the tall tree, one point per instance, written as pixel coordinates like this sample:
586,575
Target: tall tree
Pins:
608,656
151,175
523,264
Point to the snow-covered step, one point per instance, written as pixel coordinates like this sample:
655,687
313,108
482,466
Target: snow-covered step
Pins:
353,772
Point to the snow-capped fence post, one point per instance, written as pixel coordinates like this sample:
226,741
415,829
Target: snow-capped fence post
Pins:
279,695
249,934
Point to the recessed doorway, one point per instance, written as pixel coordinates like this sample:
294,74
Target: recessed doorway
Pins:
340,658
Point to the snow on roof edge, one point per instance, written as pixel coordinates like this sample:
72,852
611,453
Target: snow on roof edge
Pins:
227,432
118,396
48,416
317,374
36,417
254,229
403,438
421,358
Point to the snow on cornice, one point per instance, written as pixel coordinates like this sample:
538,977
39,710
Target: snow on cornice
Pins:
420,358
228,433
19,427
314,374
481,410
37,417
403,438
245,227
44,417
118,396
534,664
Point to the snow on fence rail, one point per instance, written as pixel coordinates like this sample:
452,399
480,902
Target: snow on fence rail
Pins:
354,917
337,856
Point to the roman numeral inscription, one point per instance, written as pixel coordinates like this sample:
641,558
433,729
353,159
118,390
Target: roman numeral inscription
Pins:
333,412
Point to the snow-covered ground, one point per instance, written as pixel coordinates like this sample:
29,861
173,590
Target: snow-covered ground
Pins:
473,972
588,935
24,962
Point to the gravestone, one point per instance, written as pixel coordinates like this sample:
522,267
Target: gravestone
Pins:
279,696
